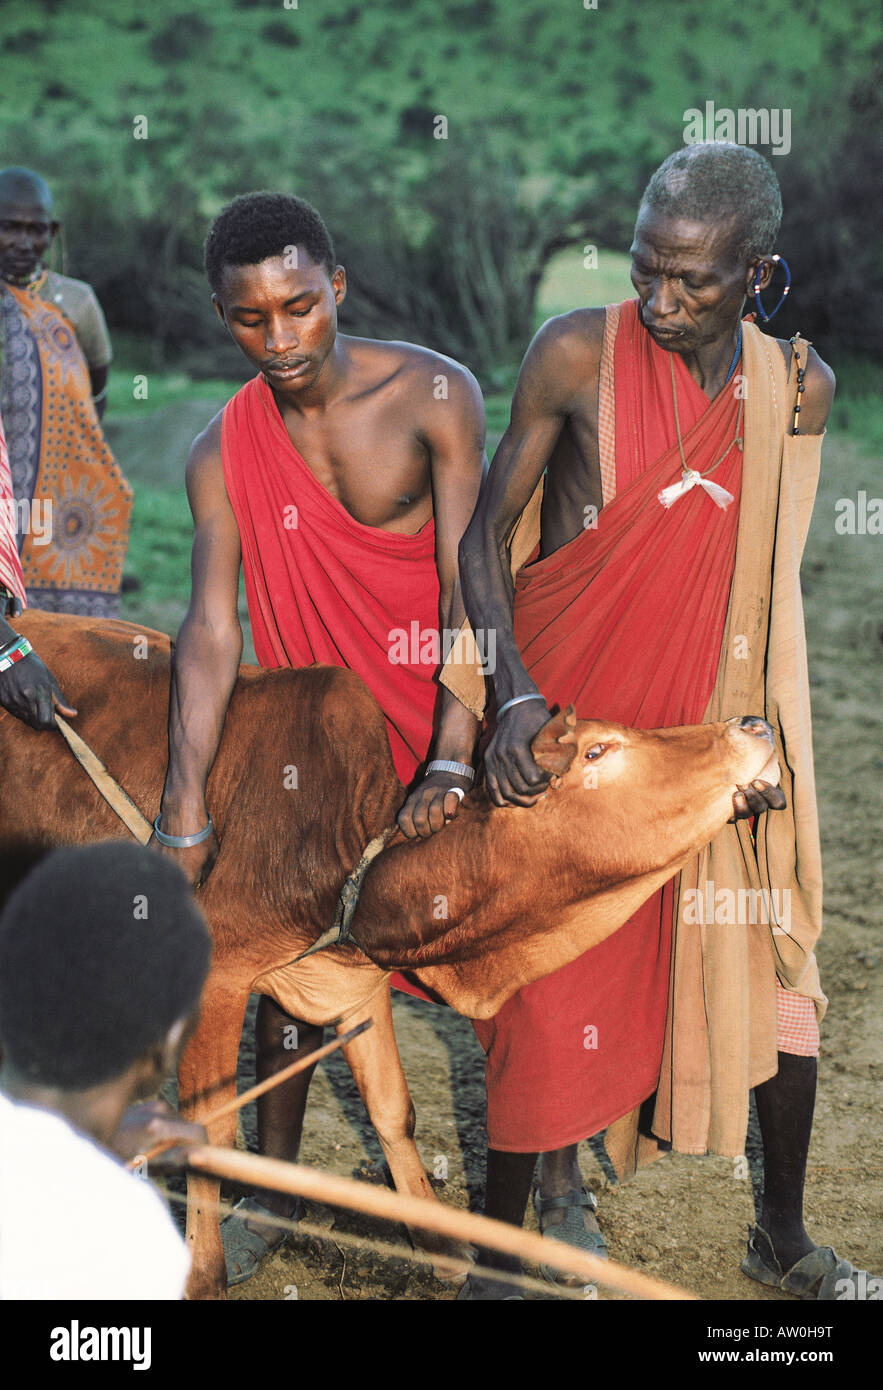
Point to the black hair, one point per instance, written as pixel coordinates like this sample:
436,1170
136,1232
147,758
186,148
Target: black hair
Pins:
18,182
102,950
721,180
255,226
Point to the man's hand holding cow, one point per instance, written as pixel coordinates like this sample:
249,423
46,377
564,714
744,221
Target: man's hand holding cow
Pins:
196,861
513,777
432,804
753,800
28,689
30,692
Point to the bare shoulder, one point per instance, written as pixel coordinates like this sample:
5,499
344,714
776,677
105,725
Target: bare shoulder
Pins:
819,387
418,378
422,367
577,334
205,451
563,357
204,473
569,345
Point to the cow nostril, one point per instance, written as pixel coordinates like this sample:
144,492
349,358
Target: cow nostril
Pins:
753,724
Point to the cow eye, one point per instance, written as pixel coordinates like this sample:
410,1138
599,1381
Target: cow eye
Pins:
595,751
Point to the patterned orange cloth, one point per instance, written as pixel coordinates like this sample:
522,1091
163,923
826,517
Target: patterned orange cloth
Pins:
72,501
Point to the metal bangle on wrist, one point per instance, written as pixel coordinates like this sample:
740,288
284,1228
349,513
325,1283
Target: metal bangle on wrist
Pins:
446,765
182,841
517,700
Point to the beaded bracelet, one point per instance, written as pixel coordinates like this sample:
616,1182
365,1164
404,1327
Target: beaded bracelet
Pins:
13,652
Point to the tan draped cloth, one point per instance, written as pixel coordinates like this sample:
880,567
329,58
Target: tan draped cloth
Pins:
721,1027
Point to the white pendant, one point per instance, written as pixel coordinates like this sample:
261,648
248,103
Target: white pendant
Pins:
689,480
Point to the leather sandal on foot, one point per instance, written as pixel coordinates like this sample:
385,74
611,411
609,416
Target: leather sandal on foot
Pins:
821,1275
572,1230
476,1290
245,1249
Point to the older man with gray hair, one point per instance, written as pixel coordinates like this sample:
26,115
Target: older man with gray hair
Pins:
659,470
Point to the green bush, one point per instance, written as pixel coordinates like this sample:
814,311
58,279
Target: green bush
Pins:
557,117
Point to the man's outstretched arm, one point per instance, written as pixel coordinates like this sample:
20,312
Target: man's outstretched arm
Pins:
539,410
454,434
207,654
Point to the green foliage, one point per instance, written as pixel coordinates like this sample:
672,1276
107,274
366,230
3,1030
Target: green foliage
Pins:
556,114
831,228
857,408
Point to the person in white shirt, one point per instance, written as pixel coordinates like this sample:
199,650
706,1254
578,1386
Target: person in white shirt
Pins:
103,955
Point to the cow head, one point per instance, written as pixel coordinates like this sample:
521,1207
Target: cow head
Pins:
526,889
646,795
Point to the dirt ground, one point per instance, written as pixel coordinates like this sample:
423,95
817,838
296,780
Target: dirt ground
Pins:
683,1219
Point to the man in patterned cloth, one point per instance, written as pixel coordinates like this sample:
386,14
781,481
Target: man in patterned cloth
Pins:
72,503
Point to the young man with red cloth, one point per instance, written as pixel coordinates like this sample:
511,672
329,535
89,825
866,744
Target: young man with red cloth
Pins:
341,478
669,459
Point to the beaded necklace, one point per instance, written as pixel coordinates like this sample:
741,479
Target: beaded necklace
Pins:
33,281
801,373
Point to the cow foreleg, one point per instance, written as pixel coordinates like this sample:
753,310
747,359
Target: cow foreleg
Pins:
206,1080
374,1061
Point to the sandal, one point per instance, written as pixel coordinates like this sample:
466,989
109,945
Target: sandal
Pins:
821,1275
485,1289
572,1230
245,1249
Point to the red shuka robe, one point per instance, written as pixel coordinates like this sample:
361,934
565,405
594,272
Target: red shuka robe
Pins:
625,622
10,566
324,588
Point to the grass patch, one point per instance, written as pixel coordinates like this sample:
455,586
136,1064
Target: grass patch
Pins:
138,386
568,284
857,410
159,544
160,539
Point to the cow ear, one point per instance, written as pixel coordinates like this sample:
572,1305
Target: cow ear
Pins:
554,747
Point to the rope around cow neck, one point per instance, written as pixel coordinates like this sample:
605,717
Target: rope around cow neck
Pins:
338,934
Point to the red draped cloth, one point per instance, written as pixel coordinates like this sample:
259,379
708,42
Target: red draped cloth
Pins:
10,566
626,623
324,588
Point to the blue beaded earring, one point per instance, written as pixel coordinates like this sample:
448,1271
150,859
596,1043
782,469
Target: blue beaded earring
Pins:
778,260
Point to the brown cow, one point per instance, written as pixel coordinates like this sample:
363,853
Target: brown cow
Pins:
524,890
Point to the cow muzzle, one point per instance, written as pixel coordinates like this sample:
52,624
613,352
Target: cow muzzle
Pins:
757,728
753,724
